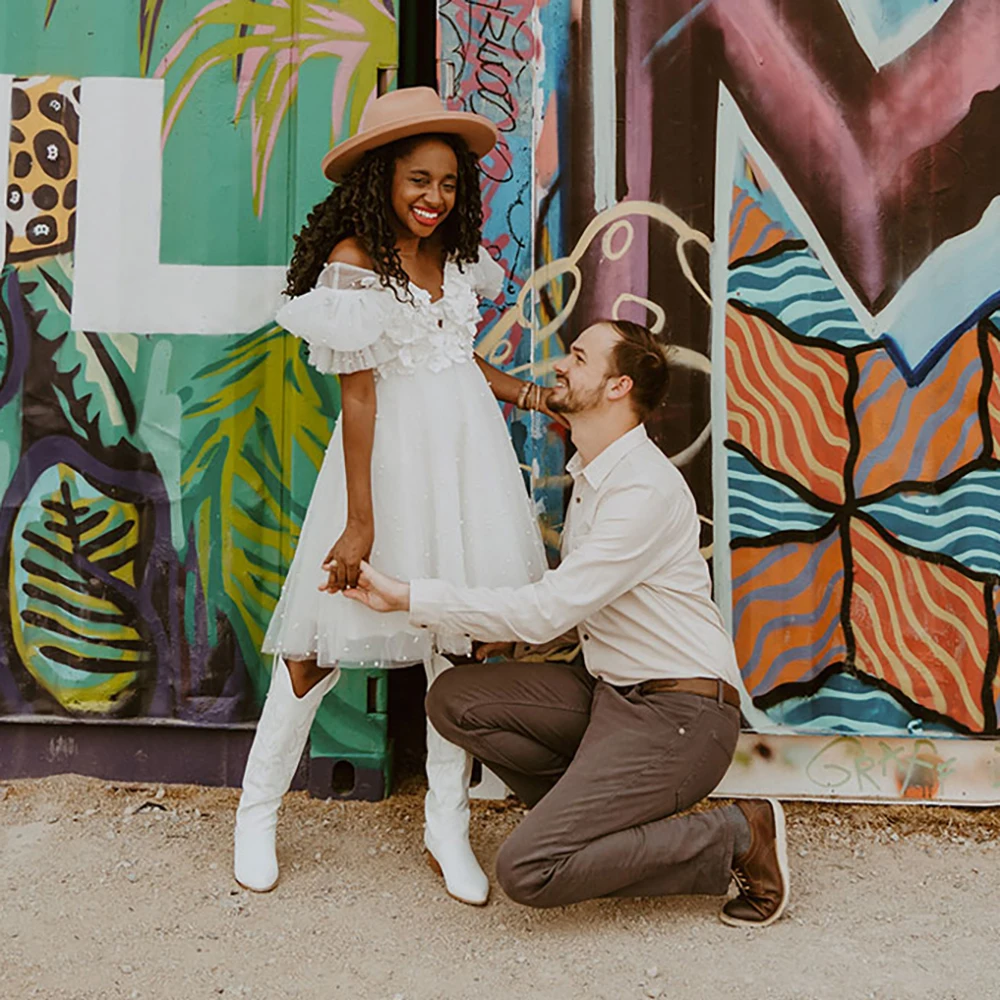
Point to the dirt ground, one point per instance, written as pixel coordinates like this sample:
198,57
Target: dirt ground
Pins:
111,891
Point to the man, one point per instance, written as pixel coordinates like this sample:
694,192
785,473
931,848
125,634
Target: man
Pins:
607,751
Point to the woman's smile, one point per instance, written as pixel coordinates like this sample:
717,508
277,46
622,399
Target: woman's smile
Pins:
427,216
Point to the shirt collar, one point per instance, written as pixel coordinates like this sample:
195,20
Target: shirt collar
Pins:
599,468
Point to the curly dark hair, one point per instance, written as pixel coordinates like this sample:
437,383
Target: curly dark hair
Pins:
360,206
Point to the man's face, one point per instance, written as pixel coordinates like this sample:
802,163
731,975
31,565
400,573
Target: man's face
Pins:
583,376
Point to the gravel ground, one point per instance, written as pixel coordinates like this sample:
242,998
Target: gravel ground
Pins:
111,891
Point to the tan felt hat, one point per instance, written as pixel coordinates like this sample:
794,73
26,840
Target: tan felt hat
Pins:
400,114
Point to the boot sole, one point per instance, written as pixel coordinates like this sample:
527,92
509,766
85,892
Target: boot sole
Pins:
432,863
777,810
251,888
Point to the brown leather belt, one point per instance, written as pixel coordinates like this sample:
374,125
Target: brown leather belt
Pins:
704,686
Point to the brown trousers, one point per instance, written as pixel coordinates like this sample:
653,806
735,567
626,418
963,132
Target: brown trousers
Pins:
604,770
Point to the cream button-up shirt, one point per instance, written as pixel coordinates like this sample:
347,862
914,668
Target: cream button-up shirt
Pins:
632,579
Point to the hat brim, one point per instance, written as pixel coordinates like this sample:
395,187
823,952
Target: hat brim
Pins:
480,135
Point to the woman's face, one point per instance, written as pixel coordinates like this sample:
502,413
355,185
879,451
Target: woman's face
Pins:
424,185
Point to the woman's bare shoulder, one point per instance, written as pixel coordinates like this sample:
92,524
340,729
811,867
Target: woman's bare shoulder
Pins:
350,251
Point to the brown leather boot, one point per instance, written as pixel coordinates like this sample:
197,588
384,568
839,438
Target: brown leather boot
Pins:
762,872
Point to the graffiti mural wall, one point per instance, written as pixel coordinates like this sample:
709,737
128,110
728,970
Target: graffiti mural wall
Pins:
489,58
802,197
159,437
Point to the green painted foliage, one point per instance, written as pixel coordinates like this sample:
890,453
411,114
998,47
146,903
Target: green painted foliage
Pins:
228,432
268,45
72,577
149,19
8,333
97,377
259,420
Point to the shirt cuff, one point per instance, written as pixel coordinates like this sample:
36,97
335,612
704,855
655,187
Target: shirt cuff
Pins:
427,602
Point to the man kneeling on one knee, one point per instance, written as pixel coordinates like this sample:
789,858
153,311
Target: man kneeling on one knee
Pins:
606,752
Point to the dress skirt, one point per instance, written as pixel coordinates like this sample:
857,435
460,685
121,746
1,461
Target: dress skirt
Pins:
449,503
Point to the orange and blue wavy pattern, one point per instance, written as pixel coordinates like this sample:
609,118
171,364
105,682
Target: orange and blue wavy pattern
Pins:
827,435
919,626
962,523
761,505
993,399
920,433
751,231
786,611
785,404
792,286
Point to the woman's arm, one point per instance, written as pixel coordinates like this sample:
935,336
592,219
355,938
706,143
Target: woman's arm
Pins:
508,389
357,398
505,387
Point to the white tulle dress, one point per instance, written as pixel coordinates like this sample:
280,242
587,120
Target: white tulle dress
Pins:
448,497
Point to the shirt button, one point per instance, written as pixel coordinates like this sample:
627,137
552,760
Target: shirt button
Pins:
586,638
578,499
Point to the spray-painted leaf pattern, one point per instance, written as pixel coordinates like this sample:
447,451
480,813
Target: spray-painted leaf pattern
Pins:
149,18
72,590
270,44
95,374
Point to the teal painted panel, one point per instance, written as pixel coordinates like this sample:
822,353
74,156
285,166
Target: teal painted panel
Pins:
156,482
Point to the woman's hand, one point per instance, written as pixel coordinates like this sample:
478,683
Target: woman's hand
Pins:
343,561
543,407
509,389
380,592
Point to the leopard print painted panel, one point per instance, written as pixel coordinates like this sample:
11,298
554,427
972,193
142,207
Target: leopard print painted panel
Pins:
42,172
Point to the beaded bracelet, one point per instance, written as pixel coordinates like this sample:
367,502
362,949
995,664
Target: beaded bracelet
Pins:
530,396
535,402
522,396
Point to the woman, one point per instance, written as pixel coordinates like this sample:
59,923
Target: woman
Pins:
420,476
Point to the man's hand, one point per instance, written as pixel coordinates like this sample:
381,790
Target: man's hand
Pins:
380,592
489,650
563,649
343,561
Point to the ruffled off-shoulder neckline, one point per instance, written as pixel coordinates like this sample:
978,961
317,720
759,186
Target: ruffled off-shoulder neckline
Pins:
484,275
353,322
365,277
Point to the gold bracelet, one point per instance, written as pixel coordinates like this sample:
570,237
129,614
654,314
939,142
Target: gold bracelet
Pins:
536,396
522,396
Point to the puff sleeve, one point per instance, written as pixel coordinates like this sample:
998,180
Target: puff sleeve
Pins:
487,276
344,320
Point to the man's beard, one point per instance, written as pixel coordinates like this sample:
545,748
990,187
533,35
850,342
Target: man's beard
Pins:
572,401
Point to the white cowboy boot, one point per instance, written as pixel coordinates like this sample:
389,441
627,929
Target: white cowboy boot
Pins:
446,814
275,754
